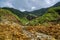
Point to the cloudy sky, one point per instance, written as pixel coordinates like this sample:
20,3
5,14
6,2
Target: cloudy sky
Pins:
27,5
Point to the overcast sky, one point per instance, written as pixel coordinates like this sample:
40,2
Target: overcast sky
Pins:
27,5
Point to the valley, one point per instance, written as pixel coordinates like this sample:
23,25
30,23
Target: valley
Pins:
43,24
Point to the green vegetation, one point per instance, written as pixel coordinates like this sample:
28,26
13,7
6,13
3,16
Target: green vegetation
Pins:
50,15
36,17
20,15
6,12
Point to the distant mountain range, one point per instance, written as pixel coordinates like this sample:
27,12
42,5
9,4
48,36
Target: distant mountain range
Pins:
57,4
33,15
36,12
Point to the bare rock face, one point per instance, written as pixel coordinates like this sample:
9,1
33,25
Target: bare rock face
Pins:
14,31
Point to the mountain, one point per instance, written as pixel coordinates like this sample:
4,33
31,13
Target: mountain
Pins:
35,13
43,10
57,4
15,11
11,28
40,11
22,16
28,17
17,25
52,15
6,15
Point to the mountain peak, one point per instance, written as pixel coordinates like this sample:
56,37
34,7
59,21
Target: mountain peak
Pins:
57,4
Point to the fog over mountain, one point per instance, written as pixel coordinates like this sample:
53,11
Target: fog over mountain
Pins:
27,5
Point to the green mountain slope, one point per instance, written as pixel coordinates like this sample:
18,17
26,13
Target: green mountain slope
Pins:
37,16
6,15
21,15
57,4
52,14
39,12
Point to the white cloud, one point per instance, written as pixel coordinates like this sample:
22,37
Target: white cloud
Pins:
7,4
48,1
33,8
22,9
